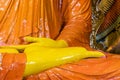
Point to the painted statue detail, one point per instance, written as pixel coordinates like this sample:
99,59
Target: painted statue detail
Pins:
50,40
106,25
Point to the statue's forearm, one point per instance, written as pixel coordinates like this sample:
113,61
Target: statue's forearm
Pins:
77,30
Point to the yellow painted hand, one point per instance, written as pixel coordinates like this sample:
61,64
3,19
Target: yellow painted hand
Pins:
44,42
8,50
42,58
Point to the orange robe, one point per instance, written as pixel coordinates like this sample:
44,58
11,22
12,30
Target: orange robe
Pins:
69,20
57,19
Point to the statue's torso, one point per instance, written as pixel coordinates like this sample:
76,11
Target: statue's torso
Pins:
19,18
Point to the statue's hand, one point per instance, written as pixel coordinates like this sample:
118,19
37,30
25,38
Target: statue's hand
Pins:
42,58
8,50
45,42
40,42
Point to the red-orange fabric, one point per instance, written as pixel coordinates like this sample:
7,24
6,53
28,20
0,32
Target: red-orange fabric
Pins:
77,18
76,28
12,67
